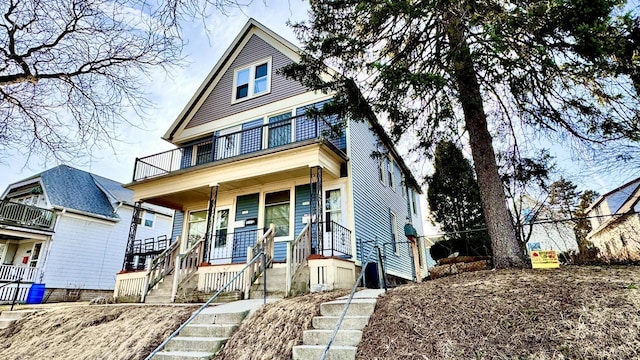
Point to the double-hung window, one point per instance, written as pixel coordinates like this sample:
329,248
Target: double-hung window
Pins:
393,219
252,80
391,177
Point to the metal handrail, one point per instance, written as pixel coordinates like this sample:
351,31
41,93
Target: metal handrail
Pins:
15,296
346,307
211,299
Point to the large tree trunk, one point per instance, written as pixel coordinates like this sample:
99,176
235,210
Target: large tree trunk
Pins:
506,251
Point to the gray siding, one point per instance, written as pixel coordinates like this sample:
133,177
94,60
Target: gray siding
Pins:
218,104
373,202
178,223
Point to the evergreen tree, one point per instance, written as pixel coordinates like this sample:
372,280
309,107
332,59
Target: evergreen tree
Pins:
583,225
566,68
454,202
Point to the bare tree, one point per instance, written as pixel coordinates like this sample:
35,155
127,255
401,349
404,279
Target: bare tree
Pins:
73,71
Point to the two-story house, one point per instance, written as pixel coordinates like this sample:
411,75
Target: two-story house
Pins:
67,229
250,166
615,223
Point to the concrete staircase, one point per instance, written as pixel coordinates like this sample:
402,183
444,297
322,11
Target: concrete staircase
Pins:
276,284
8,318
161,293
350,333
208,331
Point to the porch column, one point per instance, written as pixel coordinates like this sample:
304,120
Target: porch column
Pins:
315,206
135,218
211,213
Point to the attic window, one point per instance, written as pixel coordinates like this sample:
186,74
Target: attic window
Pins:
252,80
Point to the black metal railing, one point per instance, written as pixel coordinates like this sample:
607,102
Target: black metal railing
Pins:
241,142
13,213
232,247
145,250
336,240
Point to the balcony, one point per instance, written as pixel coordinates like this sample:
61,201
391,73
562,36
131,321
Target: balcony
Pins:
247,141
12,213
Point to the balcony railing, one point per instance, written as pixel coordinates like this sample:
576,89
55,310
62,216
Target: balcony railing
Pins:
232,247
13,213
246,141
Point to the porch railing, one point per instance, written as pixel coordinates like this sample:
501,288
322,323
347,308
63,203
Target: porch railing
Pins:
242,142
11,272
337,240
297,253
160,267
186,265
232,247
13,213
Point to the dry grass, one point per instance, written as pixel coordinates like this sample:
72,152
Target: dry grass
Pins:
571,313
91,332
271,332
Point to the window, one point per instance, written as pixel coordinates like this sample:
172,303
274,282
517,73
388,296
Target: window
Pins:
252,81
202,153
35,255
394,232
222,226
149,218
333,206
279,130
277,211
404,187
197,227
381,170
391,171
414,202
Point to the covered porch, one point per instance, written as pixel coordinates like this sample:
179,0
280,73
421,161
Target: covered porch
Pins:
301,208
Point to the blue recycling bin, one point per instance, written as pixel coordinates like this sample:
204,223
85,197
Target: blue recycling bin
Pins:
36,294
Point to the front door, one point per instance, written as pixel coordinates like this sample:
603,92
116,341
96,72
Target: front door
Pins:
221,242
335,235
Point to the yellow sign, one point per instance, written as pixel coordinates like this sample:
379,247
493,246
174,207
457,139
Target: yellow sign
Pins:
544,259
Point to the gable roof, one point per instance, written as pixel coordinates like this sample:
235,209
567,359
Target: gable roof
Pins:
293,52
75,189
214,75
625,191
630,192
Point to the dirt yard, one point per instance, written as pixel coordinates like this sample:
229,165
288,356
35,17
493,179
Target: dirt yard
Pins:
570,313
114,332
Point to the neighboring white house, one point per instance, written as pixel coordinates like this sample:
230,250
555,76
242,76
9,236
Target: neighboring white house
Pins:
68,229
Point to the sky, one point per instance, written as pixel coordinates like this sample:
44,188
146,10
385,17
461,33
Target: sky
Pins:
171,92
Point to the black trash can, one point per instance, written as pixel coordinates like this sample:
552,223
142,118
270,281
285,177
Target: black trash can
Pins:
371,276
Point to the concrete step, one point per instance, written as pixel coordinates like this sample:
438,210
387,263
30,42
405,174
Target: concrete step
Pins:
348,323
157,299
183,355
220,318
322,337
358,307
259,294
195,343
337,352
7,323
212,330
